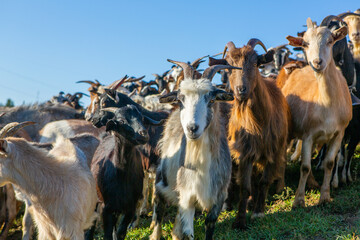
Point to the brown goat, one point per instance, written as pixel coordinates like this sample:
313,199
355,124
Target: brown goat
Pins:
319,102
258,127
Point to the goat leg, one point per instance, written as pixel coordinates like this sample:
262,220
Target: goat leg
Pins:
244,174
121,232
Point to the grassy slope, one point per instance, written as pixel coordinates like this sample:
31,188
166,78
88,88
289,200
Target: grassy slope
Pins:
339,219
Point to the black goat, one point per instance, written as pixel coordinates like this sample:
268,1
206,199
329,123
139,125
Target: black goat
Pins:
116,165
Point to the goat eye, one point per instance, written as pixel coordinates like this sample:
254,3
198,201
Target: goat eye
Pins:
305,44
212,101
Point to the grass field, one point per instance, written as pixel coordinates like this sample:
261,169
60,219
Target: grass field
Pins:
339,219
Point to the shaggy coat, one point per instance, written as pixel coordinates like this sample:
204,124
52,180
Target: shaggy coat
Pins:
193,170
258,130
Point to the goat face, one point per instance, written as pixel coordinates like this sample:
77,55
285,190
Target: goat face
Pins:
129,122
317,43
353,23
196,99
241,81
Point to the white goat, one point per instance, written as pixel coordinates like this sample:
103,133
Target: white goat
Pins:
195,163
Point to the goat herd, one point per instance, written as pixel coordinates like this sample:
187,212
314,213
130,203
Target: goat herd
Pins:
200,140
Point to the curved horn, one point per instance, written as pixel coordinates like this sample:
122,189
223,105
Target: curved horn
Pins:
11,128
210,71
2,114
230,45
87,81
117,83
110,109
344,15
134,79
78,93
197,62
254,41
187,68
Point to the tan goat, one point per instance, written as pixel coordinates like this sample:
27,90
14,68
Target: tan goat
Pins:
58,183
319,101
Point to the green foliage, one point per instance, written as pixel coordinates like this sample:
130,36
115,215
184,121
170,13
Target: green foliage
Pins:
9,103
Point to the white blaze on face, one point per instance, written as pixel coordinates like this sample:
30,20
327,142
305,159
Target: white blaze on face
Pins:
194,96
319,46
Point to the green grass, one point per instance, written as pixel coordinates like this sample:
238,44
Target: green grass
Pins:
339,219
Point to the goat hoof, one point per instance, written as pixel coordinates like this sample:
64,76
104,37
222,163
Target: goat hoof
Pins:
240,226
324,198
298,203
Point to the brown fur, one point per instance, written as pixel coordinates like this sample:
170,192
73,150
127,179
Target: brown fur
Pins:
287,70
258,130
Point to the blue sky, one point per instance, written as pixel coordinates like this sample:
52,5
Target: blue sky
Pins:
46,46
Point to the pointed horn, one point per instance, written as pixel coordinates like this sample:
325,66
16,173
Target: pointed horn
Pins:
215,55
187,68
87,81
134,79
230,45
12,131
254,41
2,114
210,71
115,85
344,15
197,62
109,109
11,128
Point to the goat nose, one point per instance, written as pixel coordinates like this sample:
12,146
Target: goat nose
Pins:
355,34
143,133
241,89
317,61
193,127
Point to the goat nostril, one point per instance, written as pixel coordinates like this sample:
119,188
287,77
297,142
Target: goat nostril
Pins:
193,128
143,133
318,61
241,90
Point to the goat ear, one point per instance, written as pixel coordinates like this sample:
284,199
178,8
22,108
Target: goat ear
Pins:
221,95
295,41
340,33
3,148
169,98
111,125
111,93
213,61
150,121
266,58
